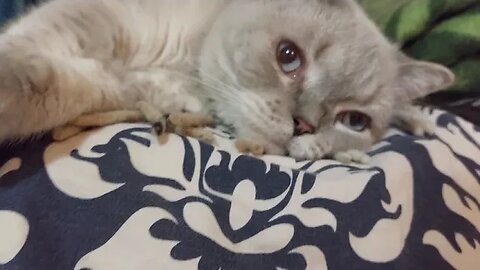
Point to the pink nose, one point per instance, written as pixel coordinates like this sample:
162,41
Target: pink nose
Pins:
302,127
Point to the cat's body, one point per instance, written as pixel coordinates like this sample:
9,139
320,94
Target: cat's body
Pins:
84,56
256,64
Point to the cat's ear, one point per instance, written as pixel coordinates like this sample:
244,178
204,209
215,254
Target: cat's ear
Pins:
416,79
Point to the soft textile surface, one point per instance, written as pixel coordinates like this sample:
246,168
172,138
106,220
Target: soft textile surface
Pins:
116,199
466,105
11,8
443,31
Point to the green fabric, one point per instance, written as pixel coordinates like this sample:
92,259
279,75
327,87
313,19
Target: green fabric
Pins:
468,77
442,31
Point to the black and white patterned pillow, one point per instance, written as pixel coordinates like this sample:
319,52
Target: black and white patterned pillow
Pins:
116,199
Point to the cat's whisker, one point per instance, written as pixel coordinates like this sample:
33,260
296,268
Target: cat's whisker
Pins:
216,85
211,84
225,92
210,77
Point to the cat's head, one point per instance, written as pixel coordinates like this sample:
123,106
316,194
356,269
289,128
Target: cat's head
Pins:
323,62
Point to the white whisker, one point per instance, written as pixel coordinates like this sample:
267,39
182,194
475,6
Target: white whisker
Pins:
231,94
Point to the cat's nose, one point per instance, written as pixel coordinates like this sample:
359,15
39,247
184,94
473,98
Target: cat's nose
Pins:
302,127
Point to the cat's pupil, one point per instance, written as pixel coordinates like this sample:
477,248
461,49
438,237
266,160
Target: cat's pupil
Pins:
356,121
288,54
289,57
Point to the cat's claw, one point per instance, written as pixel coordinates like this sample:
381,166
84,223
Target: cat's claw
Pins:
160,127
181,123
352,156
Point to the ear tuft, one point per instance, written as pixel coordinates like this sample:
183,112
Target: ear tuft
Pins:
417,79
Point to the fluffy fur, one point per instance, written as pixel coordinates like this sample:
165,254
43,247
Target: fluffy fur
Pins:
74,57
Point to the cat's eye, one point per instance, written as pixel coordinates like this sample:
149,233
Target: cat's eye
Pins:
354,120
289,57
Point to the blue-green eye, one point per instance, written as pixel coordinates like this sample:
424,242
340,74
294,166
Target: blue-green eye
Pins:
289,57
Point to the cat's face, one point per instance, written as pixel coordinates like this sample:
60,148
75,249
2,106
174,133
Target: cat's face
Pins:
320,62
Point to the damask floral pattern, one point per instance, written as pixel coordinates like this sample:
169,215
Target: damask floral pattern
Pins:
114,198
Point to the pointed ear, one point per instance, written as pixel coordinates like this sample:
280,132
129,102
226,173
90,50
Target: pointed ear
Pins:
416,79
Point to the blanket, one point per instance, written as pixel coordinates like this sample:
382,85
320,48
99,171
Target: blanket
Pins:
114,198
11,8
442,31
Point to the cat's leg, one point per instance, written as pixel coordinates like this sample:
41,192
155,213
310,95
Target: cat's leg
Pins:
186,124
94,120
328,143
66,132
201,134
169,106
190,125
310,147
39,92
108,118
144,112
411,119
101,119
193,125
191,119
352,156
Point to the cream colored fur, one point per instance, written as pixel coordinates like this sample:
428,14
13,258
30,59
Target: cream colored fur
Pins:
69,58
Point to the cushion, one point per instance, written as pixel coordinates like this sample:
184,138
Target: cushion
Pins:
114,198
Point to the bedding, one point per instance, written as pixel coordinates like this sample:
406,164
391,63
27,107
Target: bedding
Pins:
11,8
114,198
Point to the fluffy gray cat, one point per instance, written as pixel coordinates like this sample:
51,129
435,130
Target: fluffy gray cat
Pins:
265,67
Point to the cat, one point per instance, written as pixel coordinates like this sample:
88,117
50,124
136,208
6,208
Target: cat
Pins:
268,68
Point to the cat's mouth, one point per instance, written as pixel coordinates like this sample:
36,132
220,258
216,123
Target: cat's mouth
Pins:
302,127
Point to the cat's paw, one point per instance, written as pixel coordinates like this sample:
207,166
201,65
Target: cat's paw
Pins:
201,134
308,147
107,118
422,127
352,156
248,147
412,120
419,126
191,120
